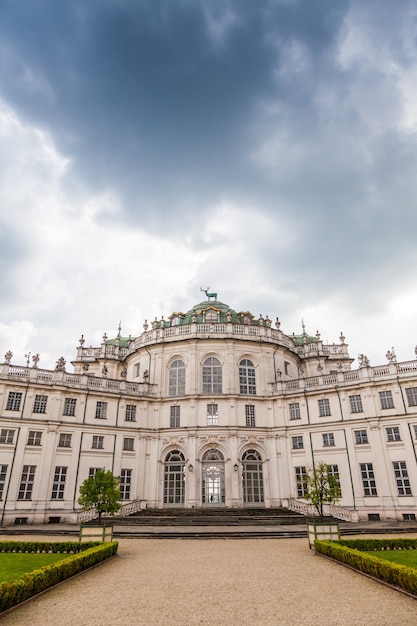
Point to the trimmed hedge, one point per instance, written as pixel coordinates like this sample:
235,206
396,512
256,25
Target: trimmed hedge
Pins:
44,547
352,553
82,556
368,545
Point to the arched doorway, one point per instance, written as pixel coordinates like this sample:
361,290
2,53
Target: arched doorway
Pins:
252,475
174,482
213,492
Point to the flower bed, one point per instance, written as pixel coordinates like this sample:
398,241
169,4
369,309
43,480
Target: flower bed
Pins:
77,557
353,553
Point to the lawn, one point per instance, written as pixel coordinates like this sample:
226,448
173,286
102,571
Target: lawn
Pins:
402,557
13,565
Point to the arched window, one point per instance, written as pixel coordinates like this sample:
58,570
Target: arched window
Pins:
213,478
177,378
253,485
174,482
212,375
247,382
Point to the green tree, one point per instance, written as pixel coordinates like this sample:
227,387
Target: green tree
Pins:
322,487
101,492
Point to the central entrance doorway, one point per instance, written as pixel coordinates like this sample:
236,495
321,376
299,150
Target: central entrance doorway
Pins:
213,492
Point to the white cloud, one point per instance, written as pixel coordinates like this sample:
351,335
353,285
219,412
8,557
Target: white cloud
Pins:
79,272
16,337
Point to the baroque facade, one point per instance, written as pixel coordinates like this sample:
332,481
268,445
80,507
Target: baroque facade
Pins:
211,408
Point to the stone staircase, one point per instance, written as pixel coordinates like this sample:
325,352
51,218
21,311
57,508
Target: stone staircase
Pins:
212,517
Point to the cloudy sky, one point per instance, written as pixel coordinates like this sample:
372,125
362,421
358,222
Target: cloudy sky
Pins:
266,149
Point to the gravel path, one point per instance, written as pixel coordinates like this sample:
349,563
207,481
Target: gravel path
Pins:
221,582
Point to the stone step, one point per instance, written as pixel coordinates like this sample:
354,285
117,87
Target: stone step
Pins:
136,520
213,511
213,517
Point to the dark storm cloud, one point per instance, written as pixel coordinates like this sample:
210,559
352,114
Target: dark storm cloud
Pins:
291,109
159,99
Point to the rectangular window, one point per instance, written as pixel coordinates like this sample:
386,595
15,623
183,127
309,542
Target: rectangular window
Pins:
393,433
386,400
250,415
334,471
415,431
368,479
69,407
328,440
401,477
39,405
130,415
301,481
101,410
3,472
14,400
324,407
411,396
297,442
6,435
26,483
125,483
58,485
128,444
355,404
175,412
92,471
98,442
34,438
295,411
212,415
64,440
361,436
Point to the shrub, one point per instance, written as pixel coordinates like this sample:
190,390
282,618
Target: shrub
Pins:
82,556
66,547
352,552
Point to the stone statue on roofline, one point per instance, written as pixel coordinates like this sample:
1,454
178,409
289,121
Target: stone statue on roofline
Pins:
391,356
60,365
9,354
35,360
363,360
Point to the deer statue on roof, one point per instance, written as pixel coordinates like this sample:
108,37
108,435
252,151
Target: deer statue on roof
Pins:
209,295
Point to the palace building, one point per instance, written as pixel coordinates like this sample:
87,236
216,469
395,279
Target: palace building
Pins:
208,408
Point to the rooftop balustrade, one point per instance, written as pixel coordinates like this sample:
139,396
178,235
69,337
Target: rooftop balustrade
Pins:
110,385
81,381
392,370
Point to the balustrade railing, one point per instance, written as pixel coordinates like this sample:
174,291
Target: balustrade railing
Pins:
352,375
381,370
50,377
86,516
129,508
126,509
409,366
329,510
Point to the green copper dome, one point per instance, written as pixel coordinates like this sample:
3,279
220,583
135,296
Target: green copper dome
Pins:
207,311
214,312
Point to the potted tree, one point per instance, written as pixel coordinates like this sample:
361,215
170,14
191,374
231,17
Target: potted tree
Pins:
101,493
322,487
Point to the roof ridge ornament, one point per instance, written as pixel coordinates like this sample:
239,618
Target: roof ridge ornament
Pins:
209,295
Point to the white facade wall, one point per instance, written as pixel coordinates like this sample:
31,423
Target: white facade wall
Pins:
287,373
